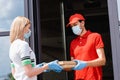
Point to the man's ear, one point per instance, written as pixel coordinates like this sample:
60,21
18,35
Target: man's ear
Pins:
83,23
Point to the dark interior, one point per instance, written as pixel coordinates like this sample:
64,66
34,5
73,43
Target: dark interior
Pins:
96,14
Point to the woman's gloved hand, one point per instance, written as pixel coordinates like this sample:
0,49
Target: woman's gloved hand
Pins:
53,65
80,65
42,64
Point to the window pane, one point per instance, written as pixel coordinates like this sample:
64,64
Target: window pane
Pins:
9,9
4,58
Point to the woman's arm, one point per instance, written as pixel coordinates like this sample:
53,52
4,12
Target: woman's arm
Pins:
30,71
12,68
13,71
53,65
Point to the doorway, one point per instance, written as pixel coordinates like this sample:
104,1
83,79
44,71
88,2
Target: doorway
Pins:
52,39
51,44
97,20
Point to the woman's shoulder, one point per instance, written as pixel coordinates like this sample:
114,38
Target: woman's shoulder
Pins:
20,42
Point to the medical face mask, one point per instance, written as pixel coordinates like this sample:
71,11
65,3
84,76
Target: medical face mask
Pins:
27,35
76,30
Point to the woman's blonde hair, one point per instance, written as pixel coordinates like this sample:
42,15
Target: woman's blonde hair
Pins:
17,27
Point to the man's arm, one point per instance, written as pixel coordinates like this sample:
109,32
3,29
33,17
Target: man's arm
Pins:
100,61
72,58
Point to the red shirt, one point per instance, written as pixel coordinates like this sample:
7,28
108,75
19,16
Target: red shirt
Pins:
84,48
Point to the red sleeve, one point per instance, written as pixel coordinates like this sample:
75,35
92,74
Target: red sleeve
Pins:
98,41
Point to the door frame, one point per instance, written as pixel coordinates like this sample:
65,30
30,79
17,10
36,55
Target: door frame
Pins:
33,13
115,36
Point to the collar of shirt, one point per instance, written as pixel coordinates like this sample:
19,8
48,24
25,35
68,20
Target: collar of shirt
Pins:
86,34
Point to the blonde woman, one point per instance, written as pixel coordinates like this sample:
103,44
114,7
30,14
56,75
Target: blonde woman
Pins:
23,60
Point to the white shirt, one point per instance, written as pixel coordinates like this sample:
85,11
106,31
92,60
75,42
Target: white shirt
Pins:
21,54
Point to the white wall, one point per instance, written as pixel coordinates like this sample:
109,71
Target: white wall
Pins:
118,2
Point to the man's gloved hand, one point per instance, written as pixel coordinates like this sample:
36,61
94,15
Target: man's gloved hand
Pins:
80,65
53,65
42,64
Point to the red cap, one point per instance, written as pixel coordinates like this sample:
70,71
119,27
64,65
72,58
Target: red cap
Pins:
74,18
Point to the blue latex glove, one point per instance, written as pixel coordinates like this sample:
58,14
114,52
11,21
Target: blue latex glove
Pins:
53,65
80,65
41,64
58,71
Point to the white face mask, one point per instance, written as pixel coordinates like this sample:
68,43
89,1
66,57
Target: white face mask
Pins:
27,35
76,30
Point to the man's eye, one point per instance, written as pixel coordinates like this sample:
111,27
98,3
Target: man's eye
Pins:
75,24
